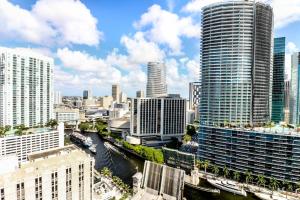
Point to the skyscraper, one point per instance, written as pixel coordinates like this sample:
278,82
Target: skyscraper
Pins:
57,98
115,92
194,95
140,94
236,63
294,89
87,94
156,80
278,80
26,95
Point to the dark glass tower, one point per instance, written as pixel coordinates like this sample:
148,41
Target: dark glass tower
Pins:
278,80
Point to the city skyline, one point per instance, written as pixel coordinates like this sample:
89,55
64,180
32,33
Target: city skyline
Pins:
100,54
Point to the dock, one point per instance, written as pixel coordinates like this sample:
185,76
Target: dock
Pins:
203,189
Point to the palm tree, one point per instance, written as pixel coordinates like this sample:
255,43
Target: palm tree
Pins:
205,165
236,176
225,171
215,170
106,172
273,184
261,180
290,187
249,177
198,164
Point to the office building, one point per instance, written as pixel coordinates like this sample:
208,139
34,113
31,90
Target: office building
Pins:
66,115
294,89
26,91
59,173
34,140
57,98
278,80
140,94
236,70
156,80
115,92
106,101
287,99
123,97
272,152
194,95
161,117
87,94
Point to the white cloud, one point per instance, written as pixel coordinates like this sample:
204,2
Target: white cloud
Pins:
291,48
167,27
197,5
49,21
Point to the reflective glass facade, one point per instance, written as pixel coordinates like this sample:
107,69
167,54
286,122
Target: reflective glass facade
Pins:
294,89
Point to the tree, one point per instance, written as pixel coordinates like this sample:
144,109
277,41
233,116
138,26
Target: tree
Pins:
261,180
7,128
225,172
205,165
236,176
187,138
215,170
290,187
191,130
84,126
198,164
52,123
274,184
106,172
249,177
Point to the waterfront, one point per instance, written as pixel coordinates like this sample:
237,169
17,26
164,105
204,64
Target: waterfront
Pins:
125,167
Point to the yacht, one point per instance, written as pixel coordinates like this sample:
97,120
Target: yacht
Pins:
88,142
228,186
93,149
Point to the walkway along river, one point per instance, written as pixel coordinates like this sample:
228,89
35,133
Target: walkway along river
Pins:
125,166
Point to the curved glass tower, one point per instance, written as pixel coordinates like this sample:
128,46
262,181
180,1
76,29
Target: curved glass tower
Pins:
156,80
236,63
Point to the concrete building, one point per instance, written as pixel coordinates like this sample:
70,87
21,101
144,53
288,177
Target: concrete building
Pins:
194,95
140,94
87,94
294,89
57,98
156,80
59,173
115,92
278,80
34,140
123,97
68,115
106,101
26,91
162,117
236,69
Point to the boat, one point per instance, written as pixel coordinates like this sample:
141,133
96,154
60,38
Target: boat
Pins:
88,142
77,138
109,146
93,149
227,186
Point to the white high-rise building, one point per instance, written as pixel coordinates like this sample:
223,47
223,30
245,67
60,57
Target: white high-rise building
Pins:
57,98
156,80
164,117
116,92
26,95
59,173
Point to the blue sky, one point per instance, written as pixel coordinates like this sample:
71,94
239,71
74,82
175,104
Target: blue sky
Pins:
99,43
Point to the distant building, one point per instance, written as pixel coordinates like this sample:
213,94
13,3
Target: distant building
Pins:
287,100
57,98
156,80
162,117
194,95
26,87
115,92
87,94
60,173
34,140
278,80
68,115
106,101
294,89
140,94
123,97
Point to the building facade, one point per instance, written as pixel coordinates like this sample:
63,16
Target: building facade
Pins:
35,140
60,173
278,94
87,94
156,80
57,98
26,91
116,92
140,94
163,117
236,70
294,89
68,115
272,154
194,95
287,89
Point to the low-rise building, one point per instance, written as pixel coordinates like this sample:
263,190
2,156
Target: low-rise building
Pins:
59,173
32,140
68,115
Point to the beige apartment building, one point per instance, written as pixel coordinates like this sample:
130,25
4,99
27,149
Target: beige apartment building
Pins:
60,173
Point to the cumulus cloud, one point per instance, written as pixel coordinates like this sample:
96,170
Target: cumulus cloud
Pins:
49,22
167,27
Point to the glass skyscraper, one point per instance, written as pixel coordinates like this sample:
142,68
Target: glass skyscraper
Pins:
236,63
294,89
278,80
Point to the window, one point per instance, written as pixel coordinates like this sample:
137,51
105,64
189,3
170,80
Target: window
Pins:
54,185
68,184
81,182
20,191
2,195
38,188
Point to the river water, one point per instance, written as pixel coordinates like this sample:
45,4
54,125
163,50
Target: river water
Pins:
126,166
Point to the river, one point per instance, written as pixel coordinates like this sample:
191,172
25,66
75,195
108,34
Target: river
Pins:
125,166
